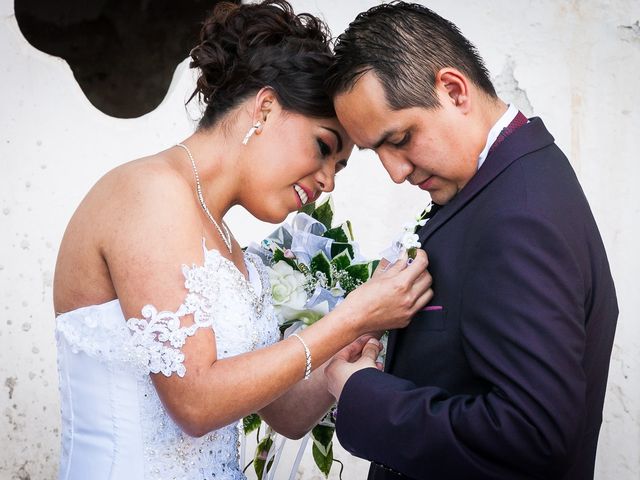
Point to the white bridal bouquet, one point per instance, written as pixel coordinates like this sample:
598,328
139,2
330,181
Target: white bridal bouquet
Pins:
312,267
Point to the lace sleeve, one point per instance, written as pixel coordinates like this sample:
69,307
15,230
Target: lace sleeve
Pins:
158,336
219,298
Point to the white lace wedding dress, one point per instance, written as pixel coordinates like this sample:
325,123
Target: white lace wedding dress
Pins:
113,424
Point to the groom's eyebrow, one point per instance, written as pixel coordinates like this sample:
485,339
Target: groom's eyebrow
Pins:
338,137
383,139
379,143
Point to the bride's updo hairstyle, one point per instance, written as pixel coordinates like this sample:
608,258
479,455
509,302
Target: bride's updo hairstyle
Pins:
244,48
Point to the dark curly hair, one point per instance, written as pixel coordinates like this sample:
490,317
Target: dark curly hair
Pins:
405,45
244,48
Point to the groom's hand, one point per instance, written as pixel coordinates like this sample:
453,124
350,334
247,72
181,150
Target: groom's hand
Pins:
353,351
341,368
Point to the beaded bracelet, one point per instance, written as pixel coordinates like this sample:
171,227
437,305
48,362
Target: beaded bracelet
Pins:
307,354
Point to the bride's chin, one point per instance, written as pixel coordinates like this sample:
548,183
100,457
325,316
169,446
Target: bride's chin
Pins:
279,219
272,215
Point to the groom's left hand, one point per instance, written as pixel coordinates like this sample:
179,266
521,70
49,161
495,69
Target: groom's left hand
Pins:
341,368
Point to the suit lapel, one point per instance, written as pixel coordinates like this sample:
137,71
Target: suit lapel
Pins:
526,139
391,344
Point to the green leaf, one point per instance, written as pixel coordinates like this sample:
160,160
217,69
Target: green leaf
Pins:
374,265
324,462
339,247
360,271
320,263
262,452
309,317
323,434
309,208
323,447
339,234
278,256
349,231
324,213
286,325
342,260
251,422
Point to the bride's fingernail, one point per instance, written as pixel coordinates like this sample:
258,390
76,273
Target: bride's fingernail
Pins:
409,261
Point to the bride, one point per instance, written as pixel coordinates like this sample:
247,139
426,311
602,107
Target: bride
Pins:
166,334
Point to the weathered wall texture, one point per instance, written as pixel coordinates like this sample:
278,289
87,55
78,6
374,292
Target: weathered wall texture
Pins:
574,63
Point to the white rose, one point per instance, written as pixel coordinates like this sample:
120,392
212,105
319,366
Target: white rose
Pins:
410,240
287,286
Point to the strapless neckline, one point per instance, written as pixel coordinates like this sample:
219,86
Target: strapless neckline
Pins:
253,282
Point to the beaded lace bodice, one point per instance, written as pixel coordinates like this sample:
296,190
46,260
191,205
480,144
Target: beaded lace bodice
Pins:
219,297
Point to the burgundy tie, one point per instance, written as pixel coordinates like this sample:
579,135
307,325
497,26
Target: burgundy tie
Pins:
516,123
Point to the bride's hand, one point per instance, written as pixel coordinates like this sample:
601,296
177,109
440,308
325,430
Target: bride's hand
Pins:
392,296
340,368
353,351
381,268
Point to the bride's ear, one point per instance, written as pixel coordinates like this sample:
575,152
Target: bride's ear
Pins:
266,104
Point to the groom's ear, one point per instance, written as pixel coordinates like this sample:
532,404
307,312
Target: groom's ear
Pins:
453,87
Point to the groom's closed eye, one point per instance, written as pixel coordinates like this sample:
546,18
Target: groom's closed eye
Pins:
402,142
386,138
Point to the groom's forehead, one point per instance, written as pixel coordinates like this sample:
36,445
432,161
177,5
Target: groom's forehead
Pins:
364,112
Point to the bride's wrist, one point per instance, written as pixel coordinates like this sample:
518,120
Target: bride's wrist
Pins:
354,318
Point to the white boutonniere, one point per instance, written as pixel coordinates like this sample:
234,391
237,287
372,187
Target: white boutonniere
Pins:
408,239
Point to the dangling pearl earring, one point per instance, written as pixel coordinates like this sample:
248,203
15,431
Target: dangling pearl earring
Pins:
251,131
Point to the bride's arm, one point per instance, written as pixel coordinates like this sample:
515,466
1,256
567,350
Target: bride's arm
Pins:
151,235
298,410
214,393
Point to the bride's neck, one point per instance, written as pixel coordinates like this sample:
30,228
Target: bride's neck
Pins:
218,162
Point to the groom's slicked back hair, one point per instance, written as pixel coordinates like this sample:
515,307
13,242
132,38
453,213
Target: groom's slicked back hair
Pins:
405,45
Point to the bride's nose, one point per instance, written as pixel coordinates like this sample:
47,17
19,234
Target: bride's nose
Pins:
326,178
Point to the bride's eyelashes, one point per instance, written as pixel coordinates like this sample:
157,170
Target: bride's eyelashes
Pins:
324,148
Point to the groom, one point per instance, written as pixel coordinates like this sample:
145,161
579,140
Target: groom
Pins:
503,375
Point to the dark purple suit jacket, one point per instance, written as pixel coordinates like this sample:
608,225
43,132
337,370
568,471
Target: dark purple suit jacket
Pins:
507,380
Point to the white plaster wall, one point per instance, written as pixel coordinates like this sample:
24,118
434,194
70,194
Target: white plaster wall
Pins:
574,63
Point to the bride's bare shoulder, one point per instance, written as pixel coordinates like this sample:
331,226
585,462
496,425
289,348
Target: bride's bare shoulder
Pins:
146,176
147,194
139,207
139,184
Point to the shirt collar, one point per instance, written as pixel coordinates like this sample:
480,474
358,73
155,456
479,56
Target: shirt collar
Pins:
503,122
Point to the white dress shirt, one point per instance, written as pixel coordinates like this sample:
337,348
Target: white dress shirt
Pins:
503,122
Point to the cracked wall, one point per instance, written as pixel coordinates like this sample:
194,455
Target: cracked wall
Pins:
573,63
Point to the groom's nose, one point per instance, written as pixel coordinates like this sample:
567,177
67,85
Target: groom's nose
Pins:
397,168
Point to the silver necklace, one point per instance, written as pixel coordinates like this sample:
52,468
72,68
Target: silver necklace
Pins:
226,236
